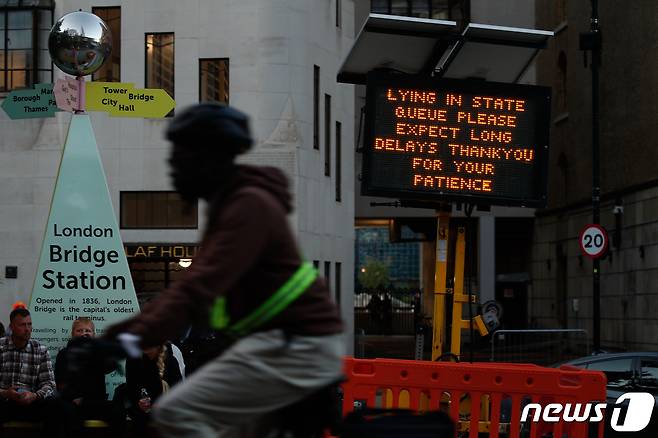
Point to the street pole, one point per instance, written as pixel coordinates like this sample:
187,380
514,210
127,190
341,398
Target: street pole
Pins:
591,41
596,185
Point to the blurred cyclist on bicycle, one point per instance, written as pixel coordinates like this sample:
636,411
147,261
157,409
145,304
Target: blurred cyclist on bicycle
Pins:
248,281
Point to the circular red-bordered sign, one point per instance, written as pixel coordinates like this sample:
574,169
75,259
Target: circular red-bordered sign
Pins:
593,241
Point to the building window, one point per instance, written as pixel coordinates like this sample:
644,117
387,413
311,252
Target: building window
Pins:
148,210
437,9
160,62
316,264
155,266
111,69
380,7
339,145
327,135
338,281
316,107
562,82
213,80
338,13
396,264
24,57
561,11
327,274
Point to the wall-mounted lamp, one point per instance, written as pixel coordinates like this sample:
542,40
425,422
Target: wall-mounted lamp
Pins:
185,263
11,271
575,305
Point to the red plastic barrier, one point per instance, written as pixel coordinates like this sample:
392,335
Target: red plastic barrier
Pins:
488,385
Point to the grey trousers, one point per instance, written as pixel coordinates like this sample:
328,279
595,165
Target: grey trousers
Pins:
231,395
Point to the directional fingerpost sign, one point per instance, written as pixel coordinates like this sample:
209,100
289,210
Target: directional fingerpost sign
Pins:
124,100
66,94
31,103
593,240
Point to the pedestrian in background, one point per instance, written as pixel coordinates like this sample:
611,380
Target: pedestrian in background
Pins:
148,378
27,382
86,391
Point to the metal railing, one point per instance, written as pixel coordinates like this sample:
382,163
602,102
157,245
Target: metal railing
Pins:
540,346
387,314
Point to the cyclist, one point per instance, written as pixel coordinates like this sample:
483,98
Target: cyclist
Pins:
248,281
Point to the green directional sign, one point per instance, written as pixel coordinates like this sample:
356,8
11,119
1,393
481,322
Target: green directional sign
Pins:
124,100
31,103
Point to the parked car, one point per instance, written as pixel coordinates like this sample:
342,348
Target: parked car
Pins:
626,372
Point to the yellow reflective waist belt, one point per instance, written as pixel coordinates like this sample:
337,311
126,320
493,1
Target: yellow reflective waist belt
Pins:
279,301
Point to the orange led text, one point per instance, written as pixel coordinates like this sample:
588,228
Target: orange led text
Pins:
472,167
435,115
486,119
452,183
427,163
499,103
414,96
394,144
420,130
486,135
497,153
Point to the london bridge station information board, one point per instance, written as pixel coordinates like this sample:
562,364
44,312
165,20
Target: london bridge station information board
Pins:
450,140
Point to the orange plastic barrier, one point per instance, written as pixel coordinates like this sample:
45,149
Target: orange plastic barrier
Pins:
481,388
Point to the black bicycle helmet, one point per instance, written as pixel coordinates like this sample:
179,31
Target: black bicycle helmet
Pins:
211,125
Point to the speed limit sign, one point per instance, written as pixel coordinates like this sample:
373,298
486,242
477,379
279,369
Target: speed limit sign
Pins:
593,241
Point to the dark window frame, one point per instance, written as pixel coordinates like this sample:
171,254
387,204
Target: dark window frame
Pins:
337,279
327,274
228,76
173,61
425,5
94,9
339,13
122,226
339,174
32,74
316,107
327,134
561,86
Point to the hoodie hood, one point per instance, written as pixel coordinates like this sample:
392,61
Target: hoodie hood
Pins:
268,178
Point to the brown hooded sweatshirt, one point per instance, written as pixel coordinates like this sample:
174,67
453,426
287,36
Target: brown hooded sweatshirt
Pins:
248,252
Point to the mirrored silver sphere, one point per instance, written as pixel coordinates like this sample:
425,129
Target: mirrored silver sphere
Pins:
79,43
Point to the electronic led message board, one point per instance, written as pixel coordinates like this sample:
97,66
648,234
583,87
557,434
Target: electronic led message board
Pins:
452,140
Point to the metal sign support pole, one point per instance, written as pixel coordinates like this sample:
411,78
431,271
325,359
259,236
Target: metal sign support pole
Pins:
81,95
440,292
596,185
458,297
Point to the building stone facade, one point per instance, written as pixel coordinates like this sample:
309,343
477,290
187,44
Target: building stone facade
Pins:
272,47
561,276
